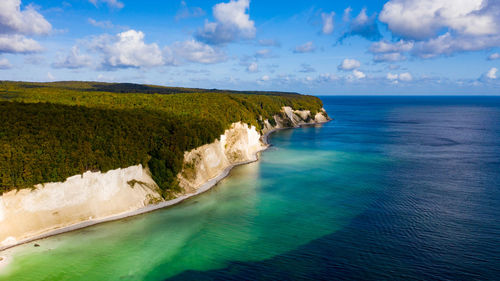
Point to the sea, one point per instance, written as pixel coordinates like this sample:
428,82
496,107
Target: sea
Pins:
394,188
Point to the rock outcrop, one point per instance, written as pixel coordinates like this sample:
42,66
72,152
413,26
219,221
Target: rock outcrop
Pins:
29,213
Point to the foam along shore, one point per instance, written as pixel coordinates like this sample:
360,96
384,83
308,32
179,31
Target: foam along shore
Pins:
92,198
4,261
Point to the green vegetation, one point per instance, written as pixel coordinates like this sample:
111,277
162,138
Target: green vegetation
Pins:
50,131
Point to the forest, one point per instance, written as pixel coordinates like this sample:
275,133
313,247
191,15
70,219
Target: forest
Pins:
50,131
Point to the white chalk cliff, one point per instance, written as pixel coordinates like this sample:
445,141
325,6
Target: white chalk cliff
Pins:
96,196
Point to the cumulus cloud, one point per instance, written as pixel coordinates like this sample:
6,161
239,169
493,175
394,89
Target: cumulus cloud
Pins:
405,77
27,21
265,78
305,48
492,73
253,67
73,60
494,56
390,52
444,27
5,64
198,52
232,23
327,19
349,64
448,44
127,49
15,24
362,25
358,74
392,77
347,14
425,18
15,43
114,4
188,12
327,77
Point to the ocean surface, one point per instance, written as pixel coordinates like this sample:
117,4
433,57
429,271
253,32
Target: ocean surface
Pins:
395,188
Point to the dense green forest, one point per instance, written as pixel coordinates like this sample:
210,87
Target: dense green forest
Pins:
50,131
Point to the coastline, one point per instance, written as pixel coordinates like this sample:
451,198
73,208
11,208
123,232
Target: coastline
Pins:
205,187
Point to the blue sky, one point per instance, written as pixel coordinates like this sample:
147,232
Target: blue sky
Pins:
315,47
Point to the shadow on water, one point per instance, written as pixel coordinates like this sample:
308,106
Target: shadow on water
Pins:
364,250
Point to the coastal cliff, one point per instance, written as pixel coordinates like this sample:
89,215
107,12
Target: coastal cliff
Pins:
95,197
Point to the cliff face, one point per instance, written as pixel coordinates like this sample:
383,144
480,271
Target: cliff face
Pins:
29,213
238,144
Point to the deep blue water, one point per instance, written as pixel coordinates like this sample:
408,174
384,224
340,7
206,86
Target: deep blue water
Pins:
437,215
395,188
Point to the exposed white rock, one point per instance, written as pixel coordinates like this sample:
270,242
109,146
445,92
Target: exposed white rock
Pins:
97,197
30,212
239,143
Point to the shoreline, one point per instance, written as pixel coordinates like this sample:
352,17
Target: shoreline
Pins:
203,188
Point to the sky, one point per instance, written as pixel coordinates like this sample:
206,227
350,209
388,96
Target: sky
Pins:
395,47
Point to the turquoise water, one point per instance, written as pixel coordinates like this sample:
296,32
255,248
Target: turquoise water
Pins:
394,188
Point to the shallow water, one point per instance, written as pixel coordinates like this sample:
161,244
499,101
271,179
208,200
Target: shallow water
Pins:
394,188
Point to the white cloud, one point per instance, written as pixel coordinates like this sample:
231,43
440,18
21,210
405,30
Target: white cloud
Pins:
386,47
358,74
101,24
448,44
347,14
492,73
362,25
389,57
405,77
327,77
494,56
425,18
115,4
15,43
5,64
264,53
188,12
127,49
265,78
27,21
445,44
232,22
73,60
392,77
327,19
349,64
199,52
305,48
16,23
444,27
253,67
